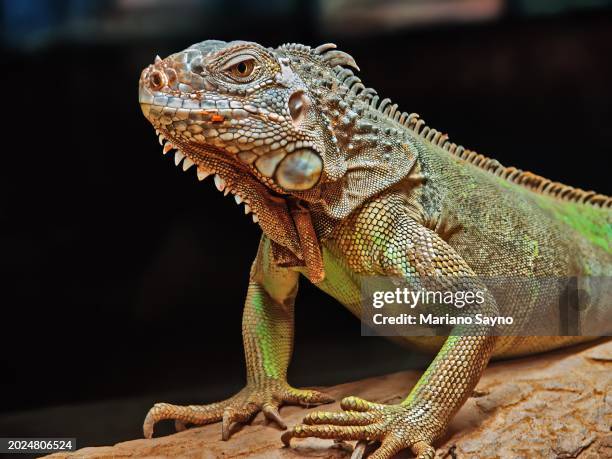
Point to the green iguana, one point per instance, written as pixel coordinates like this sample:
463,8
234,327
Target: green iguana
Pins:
344,186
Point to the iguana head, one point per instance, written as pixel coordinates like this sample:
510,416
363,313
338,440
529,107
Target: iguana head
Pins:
272,126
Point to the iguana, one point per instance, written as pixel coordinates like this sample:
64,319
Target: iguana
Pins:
345,186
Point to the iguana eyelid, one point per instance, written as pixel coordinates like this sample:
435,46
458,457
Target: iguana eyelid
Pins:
232,62
237,60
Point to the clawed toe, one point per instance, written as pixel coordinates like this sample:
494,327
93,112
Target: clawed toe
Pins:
232,415
241,408
271,413
359,450
183,415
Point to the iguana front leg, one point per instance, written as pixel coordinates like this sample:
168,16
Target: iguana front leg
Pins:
416,253
267,332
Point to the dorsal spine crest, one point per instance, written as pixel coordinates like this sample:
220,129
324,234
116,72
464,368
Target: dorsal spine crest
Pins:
366,102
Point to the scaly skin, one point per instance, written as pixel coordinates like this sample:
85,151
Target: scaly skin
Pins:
346,187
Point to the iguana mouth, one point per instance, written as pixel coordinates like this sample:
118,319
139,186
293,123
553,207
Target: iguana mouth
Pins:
229,176
213,161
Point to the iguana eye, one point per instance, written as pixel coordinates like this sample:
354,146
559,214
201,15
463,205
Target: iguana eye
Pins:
242,69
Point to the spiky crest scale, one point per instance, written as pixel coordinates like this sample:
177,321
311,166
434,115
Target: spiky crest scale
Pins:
355,89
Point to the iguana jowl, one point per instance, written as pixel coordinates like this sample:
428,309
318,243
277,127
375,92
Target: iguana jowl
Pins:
343,186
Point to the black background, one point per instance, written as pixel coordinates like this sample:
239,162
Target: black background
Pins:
123,278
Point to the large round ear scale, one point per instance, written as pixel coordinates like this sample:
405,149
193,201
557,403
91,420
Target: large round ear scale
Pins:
300,170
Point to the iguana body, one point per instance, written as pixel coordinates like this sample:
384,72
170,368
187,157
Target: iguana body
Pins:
345,187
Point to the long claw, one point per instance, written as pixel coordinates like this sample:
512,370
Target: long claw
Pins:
286,438
359,449
271,413
148,425
159,412
225,425
231,415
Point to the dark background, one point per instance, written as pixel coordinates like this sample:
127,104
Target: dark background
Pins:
123,279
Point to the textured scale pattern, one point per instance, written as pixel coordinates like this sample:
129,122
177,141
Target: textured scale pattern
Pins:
345,186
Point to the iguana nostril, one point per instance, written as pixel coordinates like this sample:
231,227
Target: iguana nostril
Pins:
298,104
157,80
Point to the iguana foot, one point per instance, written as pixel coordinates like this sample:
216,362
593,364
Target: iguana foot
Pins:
396,427
266,397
